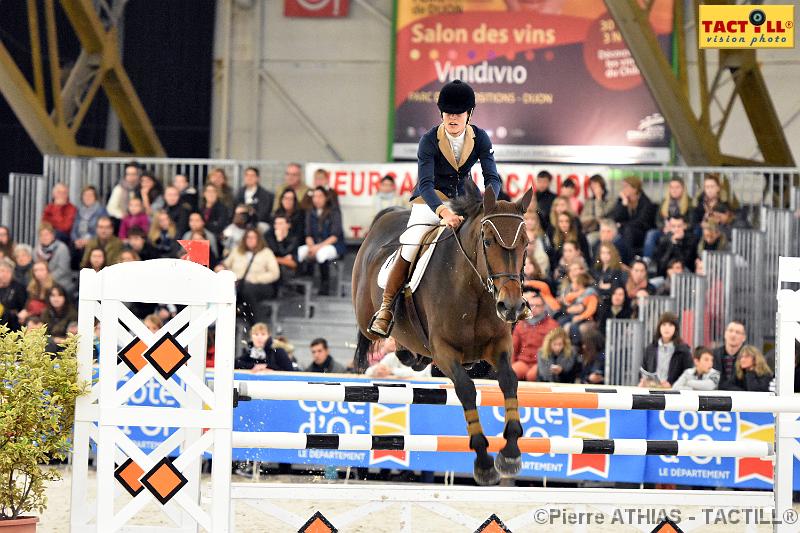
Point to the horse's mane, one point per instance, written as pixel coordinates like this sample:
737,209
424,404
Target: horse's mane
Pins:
469,205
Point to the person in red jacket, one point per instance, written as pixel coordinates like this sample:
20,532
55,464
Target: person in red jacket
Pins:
60,213
529,335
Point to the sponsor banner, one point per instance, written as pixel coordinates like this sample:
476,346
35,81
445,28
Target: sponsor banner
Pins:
746,26
357,185
315,8
554,79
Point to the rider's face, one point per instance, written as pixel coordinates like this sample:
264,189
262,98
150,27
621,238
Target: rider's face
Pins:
455,124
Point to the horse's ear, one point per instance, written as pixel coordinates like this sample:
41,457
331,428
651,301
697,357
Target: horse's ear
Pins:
489,200
524,202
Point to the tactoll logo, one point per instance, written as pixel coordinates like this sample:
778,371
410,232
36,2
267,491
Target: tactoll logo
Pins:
585,427
746,26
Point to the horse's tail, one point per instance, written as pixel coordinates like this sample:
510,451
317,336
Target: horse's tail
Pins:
360,362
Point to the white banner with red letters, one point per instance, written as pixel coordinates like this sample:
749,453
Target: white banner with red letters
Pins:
357,183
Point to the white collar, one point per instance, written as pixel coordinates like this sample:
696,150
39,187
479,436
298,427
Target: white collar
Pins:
457,137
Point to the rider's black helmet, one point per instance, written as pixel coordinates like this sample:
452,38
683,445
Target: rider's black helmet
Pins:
456,97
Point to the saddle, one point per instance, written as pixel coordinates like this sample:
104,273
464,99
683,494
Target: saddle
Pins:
418,265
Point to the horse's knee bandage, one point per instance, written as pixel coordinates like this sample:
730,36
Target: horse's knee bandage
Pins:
512,409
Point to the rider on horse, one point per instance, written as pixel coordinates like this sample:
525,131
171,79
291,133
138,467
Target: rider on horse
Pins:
445,157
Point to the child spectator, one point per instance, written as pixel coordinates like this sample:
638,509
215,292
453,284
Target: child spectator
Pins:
97,259
136,218
529,335
752,371
60,213
667,356
618,306
580,304
557,362
219,180
163,236
215,213
121,194
151,194
261,354
322,361
593,360
59,313
85,224
703,377
23,257
56,254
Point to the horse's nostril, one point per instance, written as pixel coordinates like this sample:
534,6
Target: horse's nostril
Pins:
501,306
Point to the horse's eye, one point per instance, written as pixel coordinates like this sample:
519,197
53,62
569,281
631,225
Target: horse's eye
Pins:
487,242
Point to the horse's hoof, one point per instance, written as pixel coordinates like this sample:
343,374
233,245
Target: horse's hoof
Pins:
485,476
507,466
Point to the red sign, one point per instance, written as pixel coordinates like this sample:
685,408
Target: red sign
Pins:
315,8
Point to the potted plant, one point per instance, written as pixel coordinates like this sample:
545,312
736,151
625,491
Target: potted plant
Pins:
38,389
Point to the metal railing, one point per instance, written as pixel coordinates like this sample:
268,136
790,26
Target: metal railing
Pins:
22,211
624,351
748,285
719,289
689,291
650,310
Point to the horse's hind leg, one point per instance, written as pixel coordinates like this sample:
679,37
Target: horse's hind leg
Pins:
508,461
484,471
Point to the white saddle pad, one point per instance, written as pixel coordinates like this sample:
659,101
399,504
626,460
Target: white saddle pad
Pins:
419,268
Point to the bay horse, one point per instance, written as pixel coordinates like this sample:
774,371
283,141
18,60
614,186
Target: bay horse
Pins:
467,300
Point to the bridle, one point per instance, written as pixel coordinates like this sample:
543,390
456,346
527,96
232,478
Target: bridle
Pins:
488,283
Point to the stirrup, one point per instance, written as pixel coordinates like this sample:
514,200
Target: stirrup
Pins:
381,334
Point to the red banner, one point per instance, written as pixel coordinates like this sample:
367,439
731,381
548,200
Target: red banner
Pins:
316,8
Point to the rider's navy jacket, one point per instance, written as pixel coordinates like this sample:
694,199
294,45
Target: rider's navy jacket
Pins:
438,169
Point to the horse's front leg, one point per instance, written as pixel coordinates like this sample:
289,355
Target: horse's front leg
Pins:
508,461
484,471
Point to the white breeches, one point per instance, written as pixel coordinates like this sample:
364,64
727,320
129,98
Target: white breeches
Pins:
324,254
420,214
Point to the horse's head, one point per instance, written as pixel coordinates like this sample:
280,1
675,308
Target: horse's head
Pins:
504,241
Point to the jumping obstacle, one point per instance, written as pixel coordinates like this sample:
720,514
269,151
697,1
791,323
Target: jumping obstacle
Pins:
175,357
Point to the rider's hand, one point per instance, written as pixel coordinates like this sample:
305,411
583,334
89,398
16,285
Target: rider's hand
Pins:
450,218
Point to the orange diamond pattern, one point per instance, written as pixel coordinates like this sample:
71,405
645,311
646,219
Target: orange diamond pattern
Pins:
128,474
493,525
166,355
164,480
317,524
667,526
132,355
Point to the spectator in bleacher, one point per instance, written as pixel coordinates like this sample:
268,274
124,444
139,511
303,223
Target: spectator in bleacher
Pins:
566,229
321,359
703,377
23,257
560,205
618,306
127,255
85,224
60,213
608,270
557,362
728,220
390,367
58,314
609,233
188,194
261,354
598,205
535,279
243,218
176,210
6,243
725,356
39,286
592,356
219,179
292,179
634,212
321,180
580,303
163,236
290,209
152,194
544,197
284,245
570,253
97,259
538,243
752,373
712,239
127,188
254,195
13,295
569,190
153,322
215,213
256,272
139,243
136,217
105,239
667,356
198,232
707,200
677,243
324,237
638,284
56,254
528,336
386,196
676,203
675,266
